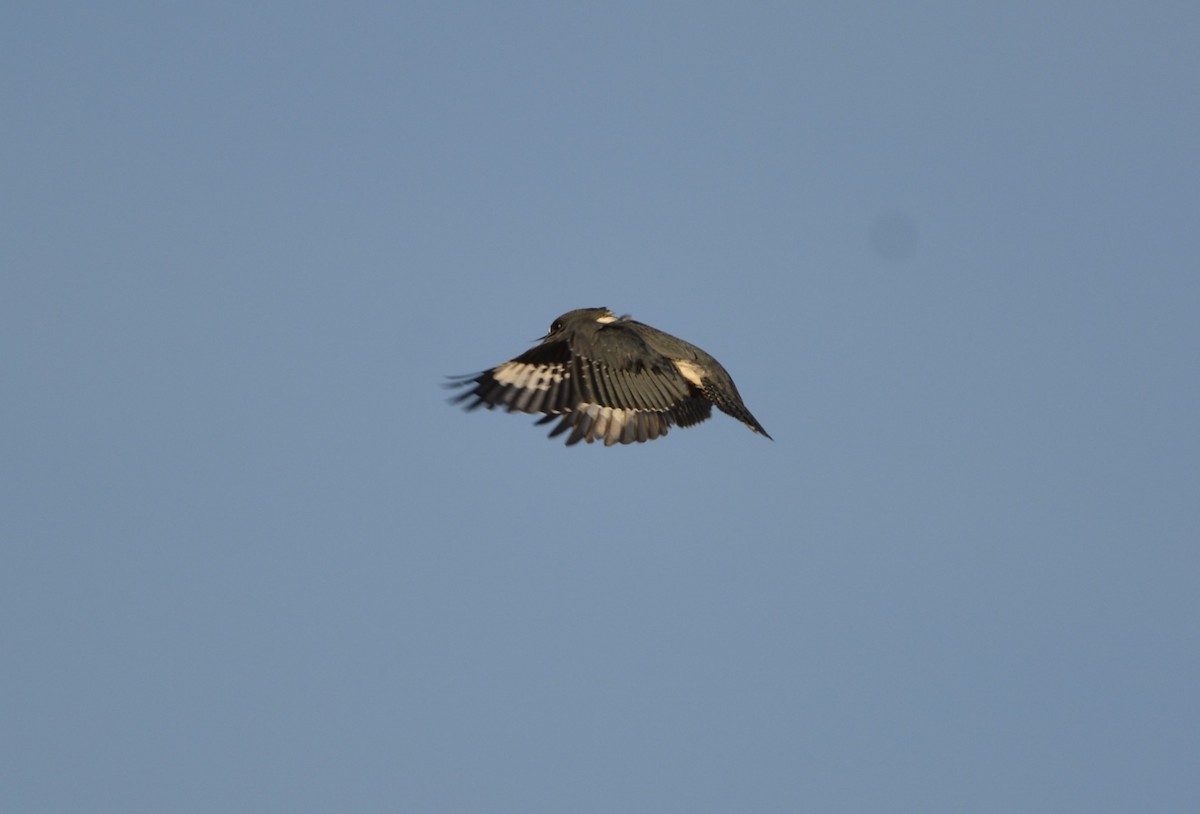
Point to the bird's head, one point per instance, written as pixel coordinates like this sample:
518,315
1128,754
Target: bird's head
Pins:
578,318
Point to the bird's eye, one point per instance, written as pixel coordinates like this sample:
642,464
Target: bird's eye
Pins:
556,326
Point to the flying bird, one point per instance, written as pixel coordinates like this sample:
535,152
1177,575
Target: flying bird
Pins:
609,378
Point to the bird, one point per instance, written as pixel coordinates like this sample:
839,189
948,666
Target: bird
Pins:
608,378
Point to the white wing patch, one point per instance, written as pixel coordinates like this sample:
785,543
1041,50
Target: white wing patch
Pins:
529,377
689,371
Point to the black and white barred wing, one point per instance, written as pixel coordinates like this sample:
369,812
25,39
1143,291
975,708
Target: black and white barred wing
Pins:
624,397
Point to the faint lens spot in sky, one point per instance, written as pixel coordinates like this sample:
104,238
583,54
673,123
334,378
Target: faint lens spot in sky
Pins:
894,236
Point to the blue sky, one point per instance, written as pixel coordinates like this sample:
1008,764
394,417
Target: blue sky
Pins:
254,562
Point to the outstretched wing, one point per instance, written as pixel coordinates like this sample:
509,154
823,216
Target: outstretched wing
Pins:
607,385
537,381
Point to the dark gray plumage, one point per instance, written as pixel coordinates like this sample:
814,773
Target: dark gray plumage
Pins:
609,378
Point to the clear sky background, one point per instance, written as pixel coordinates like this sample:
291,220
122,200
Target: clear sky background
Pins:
253,562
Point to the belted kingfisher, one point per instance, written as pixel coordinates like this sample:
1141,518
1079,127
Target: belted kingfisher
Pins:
609,378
